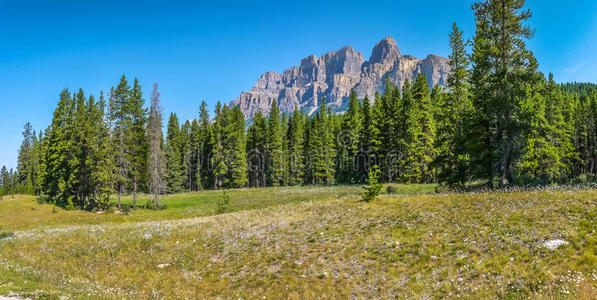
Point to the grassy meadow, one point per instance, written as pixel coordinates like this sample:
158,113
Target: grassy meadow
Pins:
307,242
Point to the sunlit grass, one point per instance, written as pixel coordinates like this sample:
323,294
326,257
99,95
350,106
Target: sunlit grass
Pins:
320,242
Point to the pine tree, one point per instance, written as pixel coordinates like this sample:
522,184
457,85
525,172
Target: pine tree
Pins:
101,158
275,155
81,150
389,127
502,71
25,159
3,182
58,181
424,149
205,148
194,168
454,111
321,147
348,141
365,156
235,141
174,179
256,151
218,158
295,136
138,147
410,115
186,154
121,134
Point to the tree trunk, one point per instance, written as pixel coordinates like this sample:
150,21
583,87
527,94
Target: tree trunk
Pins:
134,193
119,198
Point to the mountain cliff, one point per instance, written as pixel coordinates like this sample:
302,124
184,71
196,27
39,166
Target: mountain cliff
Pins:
334,75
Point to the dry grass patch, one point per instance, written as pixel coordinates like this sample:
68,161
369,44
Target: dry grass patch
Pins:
455,245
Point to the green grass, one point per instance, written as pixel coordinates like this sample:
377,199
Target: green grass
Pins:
312,242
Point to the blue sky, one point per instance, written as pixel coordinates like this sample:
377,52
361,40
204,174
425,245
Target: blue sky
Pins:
212,51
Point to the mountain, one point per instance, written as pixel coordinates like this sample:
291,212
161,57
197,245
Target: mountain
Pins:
335,74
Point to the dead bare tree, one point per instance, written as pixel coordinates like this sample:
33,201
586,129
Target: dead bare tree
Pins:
156,155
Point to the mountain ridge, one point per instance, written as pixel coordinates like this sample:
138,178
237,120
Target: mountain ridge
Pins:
334,75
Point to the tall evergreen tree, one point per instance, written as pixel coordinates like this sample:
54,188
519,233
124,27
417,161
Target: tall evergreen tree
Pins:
365,156
138,147
174,171
320,146
236,142
218,157
121,135
424,149
26,163
256,151
348,141
410,168
503,70
295,138
58,181
275,155
205,148
454,111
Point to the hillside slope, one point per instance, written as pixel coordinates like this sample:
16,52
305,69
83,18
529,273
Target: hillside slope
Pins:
484,245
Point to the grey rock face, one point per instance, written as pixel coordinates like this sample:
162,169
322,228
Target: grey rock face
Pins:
334,75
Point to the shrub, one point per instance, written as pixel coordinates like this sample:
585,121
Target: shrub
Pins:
372,190
6,234
223,204
391,189
150,204
43,199
126,209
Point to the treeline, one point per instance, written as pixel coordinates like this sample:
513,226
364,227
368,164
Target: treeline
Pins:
498,121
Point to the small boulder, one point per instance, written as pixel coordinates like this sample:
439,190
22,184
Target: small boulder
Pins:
554,244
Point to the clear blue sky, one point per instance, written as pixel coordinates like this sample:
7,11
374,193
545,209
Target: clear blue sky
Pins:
212,51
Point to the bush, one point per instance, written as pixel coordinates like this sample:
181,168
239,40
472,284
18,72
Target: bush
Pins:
126,209
223,204
374,188
583,179
150,204
392,189
6,234
43,199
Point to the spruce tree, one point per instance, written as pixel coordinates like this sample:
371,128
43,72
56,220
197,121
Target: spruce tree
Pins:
321,153
454,113
410,168
295,136
237,158
365,156
502,70
218,157
348,141
275,155
186,154
58,181
256,151
424,149
121,134
25,159
138,147
174,179
205,148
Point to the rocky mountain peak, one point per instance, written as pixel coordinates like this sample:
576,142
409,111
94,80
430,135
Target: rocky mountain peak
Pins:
385,51
334,75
